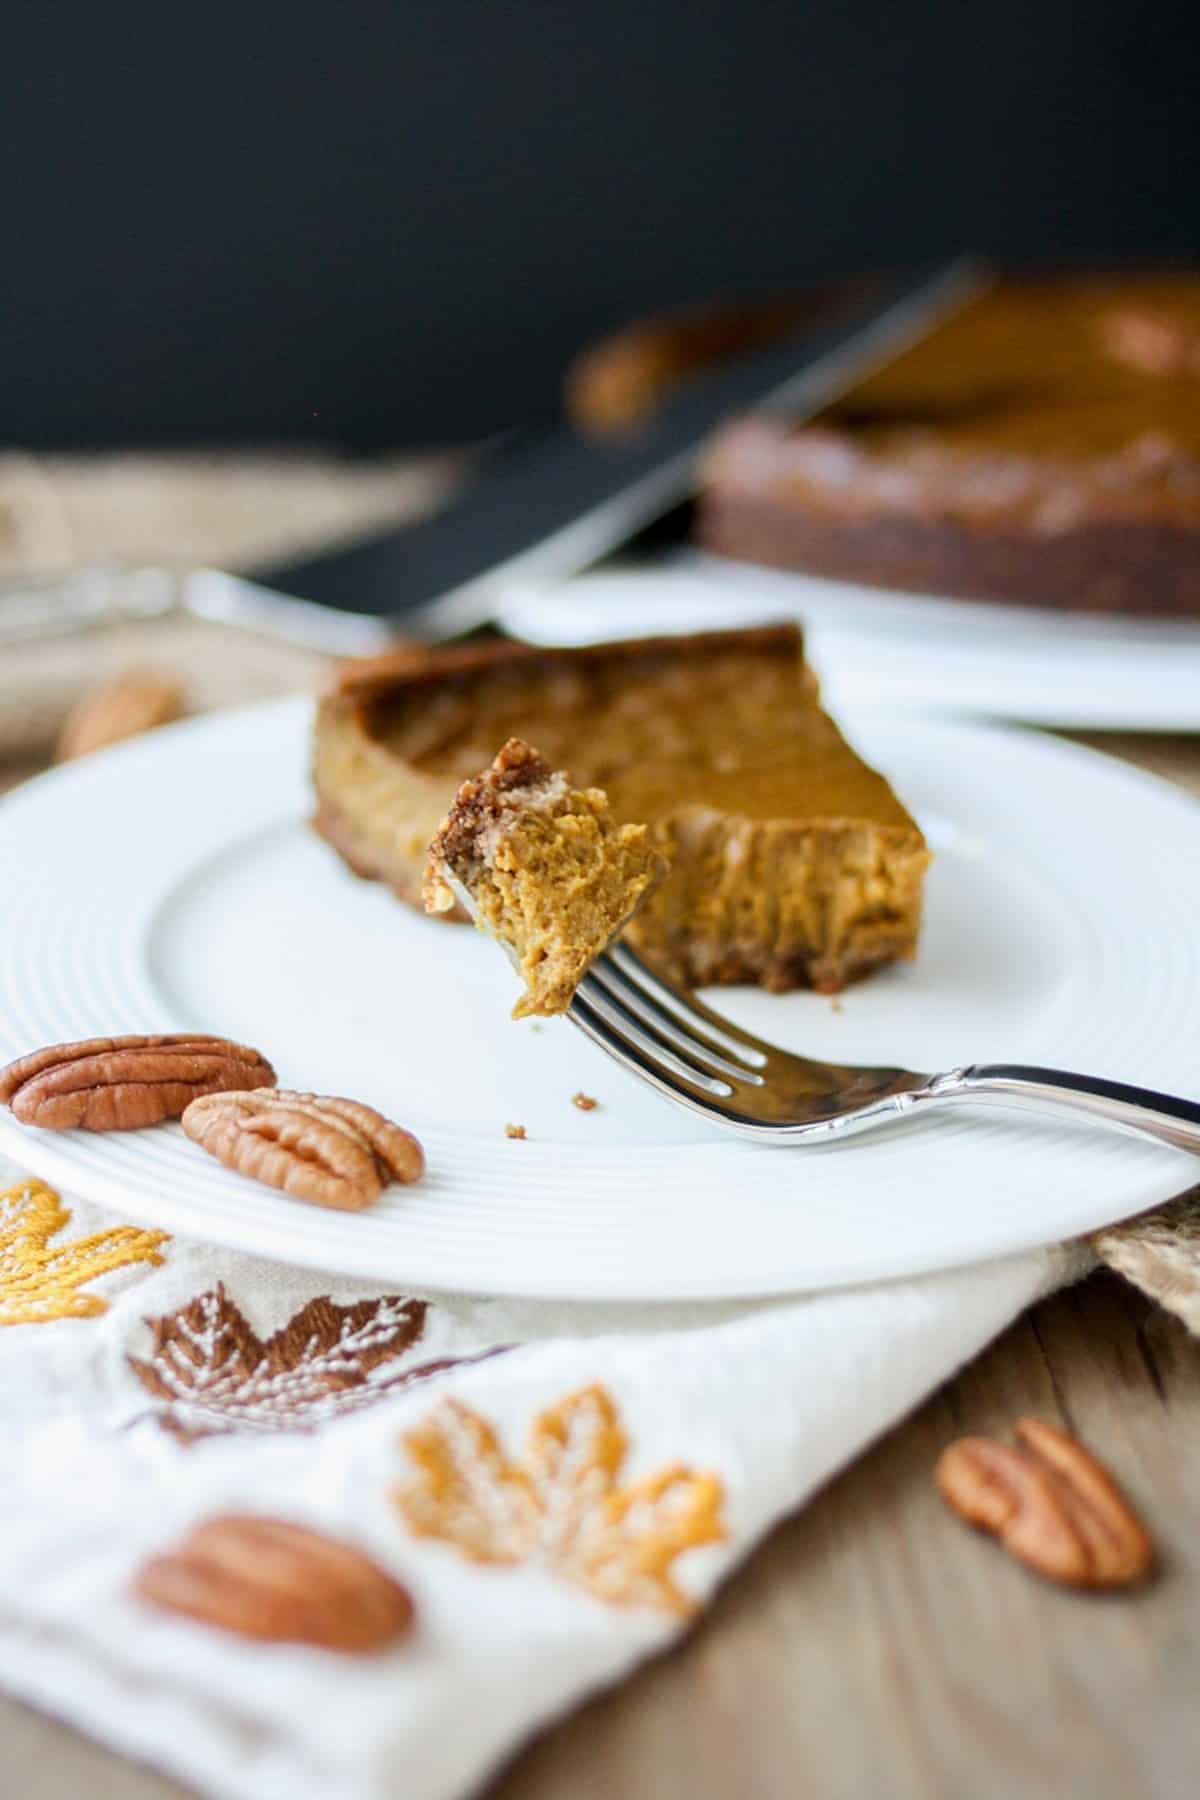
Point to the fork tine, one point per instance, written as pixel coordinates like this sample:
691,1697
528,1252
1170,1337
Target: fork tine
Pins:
651,1044
668,1028
698,1019
701,1093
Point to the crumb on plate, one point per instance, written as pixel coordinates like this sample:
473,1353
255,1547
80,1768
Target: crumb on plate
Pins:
584,1102
514,1131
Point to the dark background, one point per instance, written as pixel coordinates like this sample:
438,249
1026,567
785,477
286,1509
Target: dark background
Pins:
384,224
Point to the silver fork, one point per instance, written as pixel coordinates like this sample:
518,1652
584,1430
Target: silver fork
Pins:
702,1062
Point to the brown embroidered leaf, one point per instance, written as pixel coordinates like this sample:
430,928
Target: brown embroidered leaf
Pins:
40,1281
215,1374
561,1506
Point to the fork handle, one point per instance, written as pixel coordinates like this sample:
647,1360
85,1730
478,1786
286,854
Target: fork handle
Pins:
1141,1110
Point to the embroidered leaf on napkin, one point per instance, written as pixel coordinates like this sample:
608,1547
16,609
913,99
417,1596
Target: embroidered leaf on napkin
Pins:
561,1506
216,1375
40,1281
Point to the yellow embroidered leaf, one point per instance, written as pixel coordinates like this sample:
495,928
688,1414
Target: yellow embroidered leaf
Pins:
468,1493
561,1507
40,1281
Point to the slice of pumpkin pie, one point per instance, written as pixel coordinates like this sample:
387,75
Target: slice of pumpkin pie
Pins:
792,863
542,866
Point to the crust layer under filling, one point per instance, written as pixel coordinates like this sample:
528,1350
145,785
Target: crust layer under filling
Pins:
549,872
792,863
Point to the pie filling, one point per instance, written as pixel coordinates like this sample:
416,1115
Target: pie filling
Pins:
547,871
792,863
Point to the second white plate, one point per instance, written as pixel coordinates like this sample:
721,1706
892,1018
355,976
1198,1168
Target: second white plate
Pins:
174,883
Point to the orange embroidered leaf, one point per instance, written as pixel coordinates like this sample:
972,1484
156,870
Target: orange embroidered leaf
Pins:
575,1454
40,1281
215,1373
562,1506
650,1525
468,1494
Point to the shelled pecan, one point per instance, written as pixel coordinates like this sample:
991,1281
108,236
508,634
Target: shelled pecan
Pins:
1151,342
122,1083
269,1579
330,1151
133,702
1051,1504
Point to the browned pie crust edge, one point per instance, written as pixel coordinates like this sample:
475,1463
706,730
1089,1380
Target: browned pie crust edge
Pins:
362,679
1097,567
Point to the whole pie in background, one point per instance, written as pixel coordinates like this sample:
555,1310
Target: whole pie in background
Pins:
1042,447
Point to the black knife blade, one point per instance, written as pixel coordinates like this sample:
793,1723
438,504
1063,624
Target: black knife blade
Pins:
548,506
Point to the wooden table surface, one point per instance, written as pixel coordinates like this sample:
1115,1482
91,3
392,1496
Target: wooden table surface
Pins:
873,1648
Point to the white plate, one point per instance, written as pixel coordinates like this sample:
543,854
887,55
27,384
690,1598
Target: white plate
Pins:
173,883
875,648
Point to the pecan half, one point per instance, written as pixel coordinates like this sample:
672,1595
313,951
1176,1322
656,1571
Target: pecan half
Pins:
131,703
330,1151
122,1083
1153,343
1051,1504
266,1578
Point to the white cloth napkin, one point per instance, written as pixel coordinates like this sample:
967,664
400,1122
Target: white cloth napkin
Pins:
120,1433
